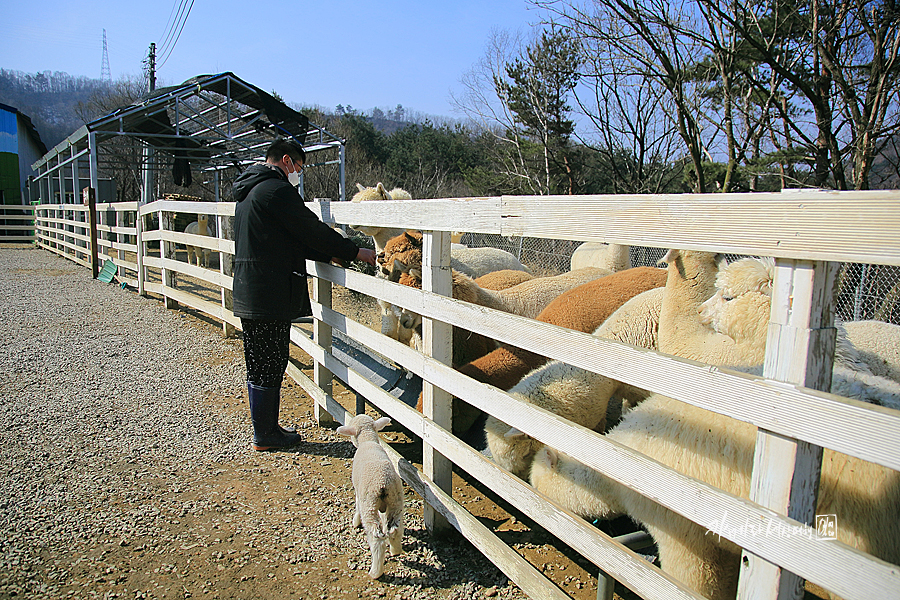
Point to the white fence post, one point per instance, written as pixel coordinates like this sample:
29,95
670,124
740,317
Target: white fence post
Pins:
322,336
799,349
437,342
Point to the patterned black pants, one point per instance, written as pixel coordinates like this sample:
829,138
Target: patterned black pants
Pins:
266,350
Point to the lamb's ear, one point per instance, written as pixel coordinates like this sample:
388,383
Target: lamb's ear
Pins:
382,423
670,256
360,187
514,433
347,430
382,192
417,273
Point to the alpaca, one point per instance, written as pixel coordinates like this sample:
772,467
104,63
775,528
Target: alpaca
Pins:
719,450
643,321
526,299
500,280
582,308
636,322
198,227
381,235
614,257
473,262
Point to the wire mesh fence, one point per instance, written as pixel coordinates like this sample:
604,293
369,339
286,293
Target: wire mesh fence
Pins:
863,291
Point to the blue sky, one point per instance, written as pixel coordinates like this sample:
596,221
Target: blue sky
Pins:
362,54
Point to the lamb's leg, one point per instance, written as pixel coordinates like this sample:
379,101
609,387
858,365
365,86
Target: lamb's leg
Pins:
356,520
395,536
377,545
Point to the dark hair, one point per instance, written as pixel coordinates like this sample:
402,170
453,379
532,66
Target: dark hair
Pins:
281,147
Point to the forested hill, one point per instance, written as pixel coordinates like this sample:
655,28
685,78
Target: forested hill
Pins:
49,99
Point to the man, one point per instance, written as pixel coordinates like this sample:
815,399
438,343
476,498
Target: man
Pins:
274,234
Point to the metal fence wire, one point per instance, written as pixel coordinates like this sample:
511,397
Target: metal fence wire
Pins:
863,291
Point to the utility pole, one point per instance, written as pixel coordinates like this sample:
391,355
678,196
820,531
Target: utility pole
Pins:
152,66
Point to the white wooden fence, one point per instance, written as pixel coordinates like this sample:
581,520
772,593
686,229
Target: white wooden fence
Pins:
16,224
803,231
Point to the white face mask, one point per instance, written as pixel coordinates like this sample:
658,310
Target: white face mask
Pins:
294,178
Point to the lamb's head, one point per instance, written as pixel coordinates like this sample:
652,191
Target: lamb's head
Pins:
408,245
363,426
742,302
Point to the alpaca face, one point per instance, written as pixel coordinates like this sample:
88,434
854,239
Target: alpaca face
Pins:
740,307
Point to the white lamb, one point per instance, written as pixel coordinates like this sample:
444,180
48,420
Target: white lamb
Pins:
614,257
719,450
378,488
198,227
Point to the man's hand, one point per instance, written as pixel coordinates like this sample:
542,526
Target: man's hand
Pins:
366,255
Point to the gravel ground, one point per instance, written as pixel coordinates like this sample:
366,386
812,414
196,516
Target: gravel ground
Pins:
126,469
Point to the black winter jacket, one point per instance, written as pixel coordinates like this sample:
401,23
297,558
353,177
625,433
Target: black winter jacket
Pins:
274,234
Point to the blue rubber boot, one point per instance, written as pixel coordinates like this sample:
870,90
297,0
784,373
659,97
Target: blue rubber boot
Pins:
265,403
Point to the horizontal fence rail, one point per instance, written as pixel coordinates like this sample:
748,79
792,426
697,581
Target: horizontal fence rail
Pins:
795,228
17,224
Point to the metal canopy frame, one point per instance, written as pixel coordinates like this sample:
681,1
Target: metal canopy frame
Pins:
208,123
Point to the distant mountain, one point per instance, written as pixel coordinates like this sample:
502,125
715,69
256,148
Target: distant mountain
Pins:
49,99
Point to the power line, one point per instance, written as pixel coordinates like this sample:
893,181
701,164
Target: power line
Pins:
163,46
169,22
172,46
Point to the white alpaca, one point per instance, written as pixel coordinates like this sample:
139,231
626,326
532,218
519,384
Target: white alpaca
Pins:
381,235
567,390
614,257
878,344
719,450
198,227
379,490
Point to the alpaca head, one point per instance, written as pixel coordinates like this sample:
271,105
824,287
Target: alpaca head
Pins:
695,269
379,192
510,448
740,307
408,244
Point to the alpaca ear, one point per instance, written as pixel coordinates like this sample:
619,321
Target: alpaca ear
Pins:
382,423
382,192
360,187
347,430
552,457
399,265
396,271
670,257
417,273
721,261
